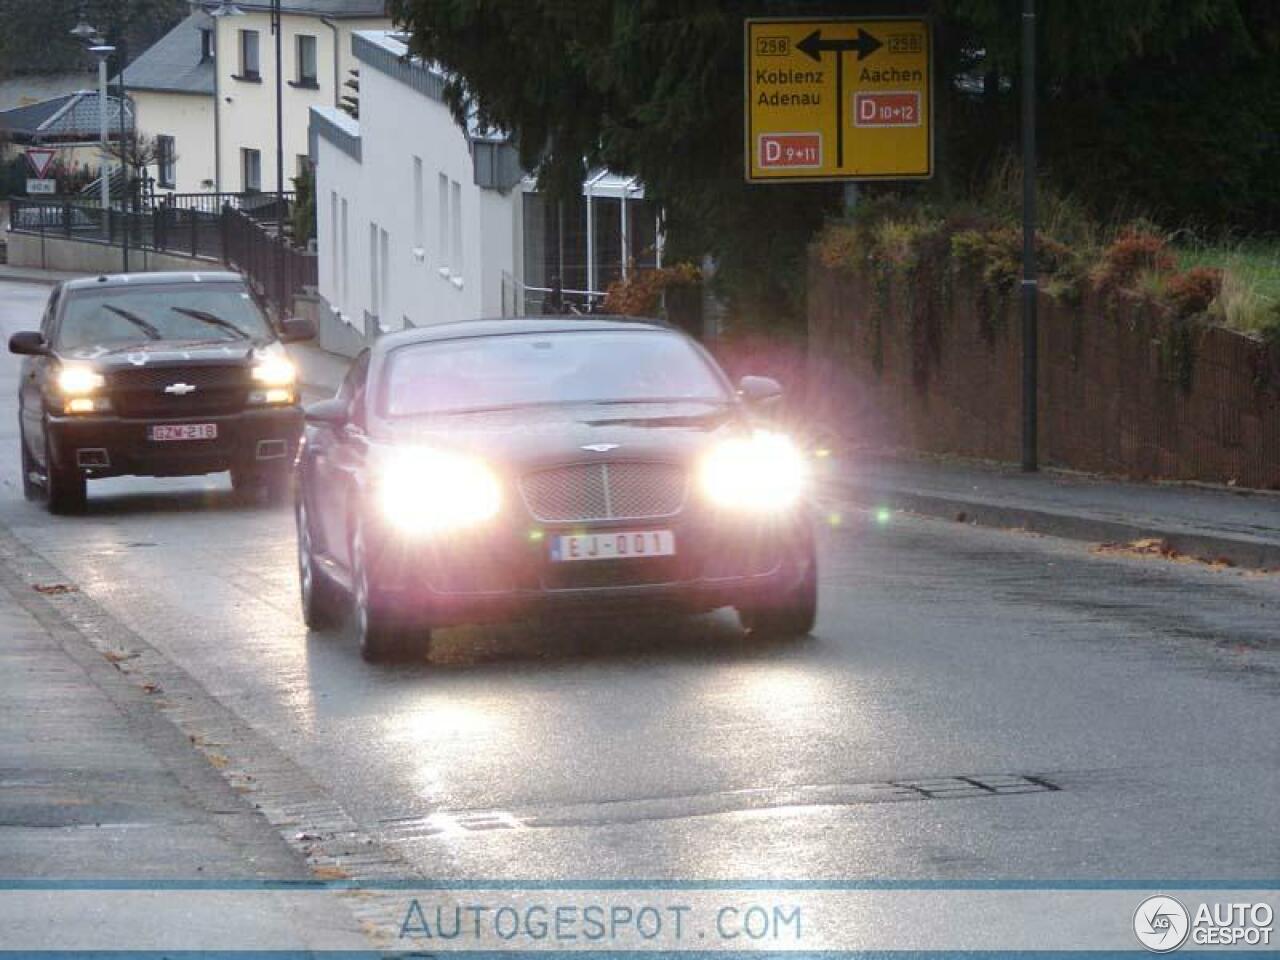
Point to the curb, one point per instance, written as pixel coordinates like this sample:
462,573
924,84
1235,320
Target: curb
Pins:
1238,551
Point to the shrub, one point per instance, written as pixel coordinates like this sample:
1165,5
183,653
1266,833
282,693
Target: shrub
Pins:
639,294
1134,252
1192,292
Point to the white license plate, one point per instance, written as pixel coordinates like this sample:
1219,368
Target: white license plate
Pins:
183,431
617,545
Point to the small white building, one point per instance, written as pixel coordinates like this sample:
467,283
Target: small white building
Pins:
421,221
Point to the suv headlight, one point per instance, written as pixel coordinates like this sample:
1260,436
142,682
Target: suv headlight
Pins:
77,386
77,381
426,491
763,472
274,378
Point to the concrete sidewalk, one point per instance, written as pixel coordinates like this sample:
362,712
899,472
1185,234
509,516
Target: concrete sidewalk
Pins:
96,785
1240,526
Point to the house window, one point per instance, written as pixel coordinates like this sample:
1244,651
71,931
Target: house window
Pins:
166,161
374,274
206,44
442,247
346,256
249,65
307,75
250,170
455,217
419,220
384,275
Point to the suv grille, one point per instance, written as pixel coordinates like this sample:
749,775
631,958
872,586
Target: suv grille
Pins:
141,392
626,490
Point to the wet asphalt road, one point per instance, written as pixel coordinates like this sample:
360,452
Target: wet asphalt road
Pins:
1119,715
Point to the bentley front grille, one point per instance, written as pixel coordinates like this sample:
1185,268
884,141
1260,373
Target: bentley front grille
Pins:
624,490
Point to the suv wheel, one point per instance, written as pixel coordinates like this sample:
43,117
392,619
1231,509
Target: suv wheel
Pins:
31,490
66,489
253,486
320,606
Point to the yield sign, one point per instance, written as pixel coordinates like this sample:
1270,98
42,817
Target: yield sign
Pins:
41,159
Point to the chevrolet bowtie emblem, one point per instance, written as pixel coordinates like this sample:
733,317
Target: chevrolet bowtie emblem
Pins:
179,389
601,447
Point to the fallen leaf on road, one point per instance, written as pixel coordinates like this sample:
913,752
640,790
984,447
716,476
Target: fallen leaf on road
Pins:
1146,547
54,589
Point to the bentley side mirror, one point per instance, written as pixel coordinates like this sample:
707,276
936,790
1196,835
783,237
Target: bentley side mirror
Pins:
760,391
331,412
29,343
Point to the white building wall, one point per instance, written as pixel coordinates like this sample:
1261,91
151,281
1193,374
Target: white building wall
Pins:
188,118
338,186
426,282
248,109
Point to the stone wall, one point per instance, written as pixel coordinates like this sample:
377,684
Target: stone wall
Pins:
1128,392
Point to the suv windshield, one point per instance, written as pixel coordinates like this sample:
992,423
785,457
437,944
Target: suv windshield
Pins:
519,370
188,311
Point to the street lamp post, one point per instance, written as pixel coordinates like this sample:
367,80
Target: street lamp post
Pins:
222,10
277,30
87,34
1030,282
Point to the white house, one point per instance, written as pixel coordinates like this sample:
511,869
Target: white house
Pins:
209,88
171,85
420,220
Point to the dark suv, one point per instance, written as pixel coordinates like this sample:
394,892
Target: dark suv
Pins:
160,374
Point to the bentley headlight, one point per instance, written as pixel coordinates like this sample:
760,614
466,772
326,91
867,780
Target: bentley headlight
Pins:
77,381
427,491
762,472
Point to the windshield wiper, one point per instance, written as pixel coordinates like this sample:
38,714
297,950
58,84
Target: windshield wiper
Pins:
152,332
212,319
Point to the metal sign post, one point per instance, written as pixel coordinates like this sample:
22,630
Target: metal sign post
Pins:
1030,281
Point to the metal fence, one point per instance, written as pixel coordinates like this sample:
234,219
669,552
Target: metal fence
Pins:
229,236
259,205
278,270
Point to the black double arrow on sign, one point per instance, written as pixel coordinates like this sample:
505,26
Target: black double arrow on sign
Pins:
864,44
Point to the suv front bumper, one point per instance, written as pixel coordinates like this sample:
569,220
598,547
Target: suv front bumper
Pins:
263,438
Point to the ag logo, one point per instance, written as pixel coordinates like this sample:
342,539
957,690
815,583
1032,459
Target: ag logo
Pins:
1161,924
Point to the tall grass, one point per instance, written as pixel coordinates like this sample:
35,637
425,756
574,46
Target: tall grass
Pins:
1250,297
1249,300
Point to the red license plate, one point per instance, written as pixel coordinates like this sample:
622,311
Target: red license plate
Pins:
182,431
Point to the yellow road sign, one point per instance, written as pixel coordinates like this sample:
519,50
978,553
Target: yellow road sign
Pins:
838,100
